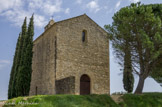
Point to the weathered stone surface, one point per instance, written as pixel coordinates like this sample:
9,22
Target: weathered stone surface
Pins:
65,85
60,53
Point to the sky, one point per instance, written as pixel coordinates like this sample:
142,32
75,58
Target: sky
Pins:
13,12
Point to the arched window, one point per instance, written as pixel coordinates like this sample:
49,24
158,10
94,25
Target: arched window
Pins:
84,36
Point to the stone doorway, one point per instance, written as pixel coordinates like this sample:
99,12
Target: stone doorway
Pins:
84,85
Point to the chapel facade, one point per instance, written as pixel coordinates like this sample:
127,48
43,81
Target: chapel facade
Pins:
71,57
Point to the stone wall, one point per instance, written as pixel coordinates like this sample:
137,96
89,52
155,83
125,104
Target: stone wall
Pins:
43,64
75,58
65,85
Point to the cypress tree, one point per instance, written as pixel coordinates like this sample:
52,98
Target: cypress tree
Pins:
25,69
29,53
14,93
128,79
11,92
19,80
28,58
20,76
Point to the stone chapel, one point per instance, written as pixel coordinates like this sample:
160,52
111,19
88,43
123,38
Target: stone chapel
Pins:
71,57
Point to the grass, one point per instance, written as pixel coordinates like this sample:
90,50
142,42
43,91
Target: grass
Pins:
129,100
63,101
143,100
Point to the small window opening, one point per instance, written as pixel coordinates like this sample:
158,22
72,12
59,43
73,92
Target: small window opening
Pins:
84,36
36,90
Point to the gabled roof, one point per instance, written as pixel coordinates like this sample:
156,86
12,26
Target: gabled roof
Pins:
96,24
84,15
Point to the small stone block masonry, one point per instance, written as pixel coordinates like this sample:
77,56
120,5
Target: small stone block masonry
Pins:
65,52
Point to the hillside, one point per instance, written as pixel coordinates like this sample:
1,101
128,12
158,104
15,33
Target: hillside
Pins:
63,101
143,100
126,100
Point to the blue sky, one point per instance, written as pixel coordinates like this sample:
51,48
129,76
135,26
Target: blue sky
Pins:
12,13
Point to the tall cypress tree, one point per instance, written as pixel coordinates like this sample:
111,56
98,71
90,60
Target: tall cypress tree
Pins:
20,76
25,69
14,93
128,79
29,54
11,92
19,79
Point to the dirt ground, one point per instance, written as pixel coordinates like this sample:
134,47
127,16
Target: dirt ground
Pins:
117,98
2,103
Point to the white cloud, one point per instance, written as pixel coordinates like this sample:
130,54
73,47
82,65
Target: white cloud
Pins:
40,21
4,63
78,1
8,4
35,4
67,11
117,5
134,1
93,6
51,8
16,10
17,17
48,7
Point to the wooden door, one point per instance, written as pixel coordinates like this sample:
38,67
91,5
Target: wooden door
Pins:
84,85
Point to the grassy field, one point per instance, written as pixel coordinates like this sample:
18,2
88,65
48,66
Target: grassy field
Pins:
143,100
128,100
63,101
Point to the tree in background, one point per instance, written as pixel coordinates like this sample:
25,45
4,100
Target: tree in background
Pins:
20,76
122,49
142,25
157,71
128,78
